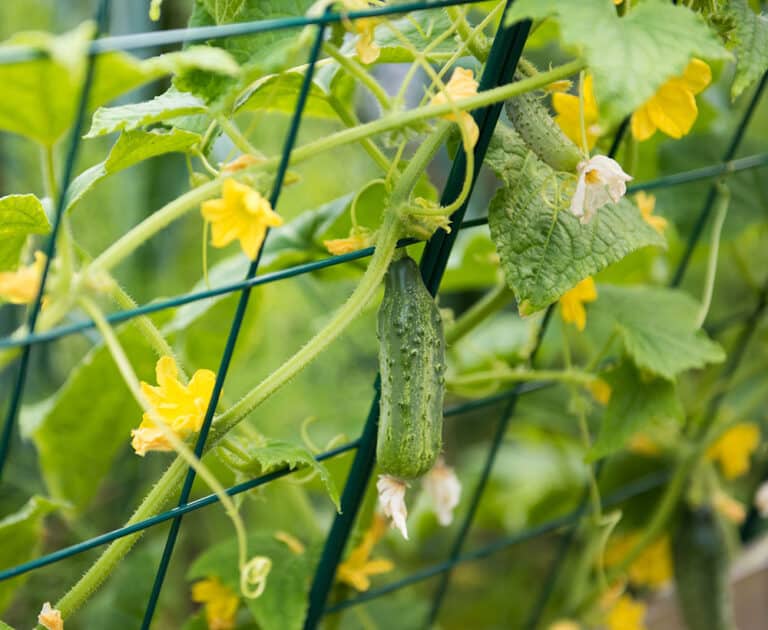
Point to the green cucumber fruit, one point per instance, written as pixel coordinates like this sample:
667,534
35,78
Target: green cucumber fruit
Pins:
412,367
700,555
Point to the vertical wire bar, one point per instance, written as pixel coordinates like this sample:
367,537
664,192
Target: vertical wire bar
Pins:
701,220
234,332
102,23
500,67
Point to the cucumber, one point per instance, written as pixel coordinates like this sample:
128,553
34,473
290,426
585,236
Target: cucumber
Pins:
700,556
540,132
412,368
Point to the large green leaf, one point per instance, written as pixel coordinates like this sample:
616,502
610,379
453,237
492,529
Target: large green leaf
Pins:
638,403
658,327
84,425
544,249
751,38
20,536
283,604
131,148
278,93
20,216
631,56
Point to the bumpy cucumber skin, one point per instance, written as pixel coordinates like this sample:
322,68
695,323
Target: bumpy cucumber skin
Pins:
412,367
700,555
541,133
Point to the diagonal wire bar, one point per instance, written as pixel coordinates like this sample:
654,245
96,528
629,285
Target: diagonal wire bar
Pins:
502,60
102,21
234,332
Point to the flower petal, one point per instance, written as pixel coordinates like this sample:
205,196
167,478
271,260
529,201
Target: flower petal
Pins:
697,75
642,125
673,109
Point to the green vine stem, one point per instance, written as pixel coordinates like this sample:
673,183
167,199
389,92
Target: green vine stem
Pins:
721,210
495,299
474,39
573,376
168,484
359,72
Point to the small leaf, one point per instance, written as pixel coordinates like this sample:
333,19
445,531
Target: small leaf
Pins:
419,29
21,534
658,327
751,37
20,215
277,93
206,58
638,403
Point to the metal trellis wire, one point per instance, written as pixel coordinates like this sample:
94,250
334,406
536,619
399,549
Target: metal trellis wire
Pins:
499,69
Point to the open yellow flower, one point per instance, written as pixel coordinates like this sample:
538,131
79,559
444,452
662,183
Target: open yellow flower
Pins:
181,407
647,204
367,48
461,85
572,303
241,213
358,567
220,602
673,108
652,568
568,115
352,243
20,286
626,614
600,390
734,449
50,618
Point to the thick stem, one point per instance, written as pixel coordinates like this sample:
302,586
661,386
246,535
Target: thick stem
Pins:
496,298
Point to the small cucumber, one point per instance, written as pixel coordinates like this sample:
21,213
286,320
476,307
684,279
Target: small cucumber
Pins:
412,367
700,555
541,133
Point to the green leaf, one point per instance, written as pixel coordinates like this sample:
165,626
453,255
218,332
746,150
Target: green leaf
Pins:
658,327
631,56
206,58
751,38
259,457
277,93
21,535
283,604
544,249
84,425
20,216
638,403
223,11
131,148
419,29
127,117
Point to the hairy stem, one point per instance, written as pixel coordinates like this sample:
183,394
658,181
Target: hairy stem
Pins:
495,299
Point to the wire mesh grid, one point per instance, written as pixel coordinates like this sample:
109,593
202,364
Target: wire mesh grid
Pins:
505,52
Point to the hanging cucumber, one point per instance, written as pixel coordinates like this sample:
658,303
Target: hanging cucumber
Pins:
412,366
700,555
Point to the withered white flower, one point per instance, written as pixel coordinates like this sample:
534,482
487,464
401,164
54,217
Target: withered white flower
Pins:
601,181
761,499
392,501
444,490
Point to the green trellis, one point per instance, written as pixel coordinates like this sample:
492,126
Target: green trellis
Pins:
499,69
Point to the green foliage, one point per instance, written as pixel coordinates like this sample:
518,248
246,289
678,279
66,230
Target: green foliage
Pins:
416,32
20,536
751,39
631,56
638,402
658,327
277,93
20,216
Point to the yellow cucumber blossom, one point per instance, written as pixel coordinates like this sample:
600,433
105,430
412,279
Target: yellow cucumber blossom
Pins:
392,501
461,85
647,204
352,243
358,567
599,389
220,601
242,214
673,109
50,618
181,407
734,448
444,489
652,568
568,116
367,48
564,624
572,303
21,286
601,180
626,614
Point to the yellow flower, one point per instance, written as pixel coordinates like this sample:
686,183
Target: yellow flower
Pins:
564,624
241,162
50,618
673,108
220,602
461,85
646,204
20,286
652,568
734,448
569,117
181,407
641,444
352,243
357,568
600,390
243,214
559,86
572,303
367,48
626,614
